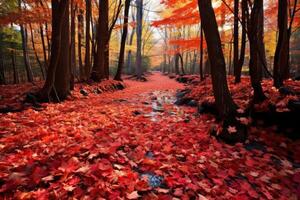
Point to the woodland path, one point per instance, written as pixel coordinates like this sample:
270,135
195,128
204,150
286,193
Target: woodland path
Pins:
136,142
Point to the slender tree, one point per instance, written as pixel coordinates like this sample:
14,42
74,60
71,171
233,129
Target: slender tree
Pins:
236,36
123,41
102,38
224,102
139,30
88,16
256,56
57,85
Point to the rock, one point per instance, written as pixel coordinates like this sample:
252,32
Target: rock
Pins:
193,103
84,92
182,93
136,112
182,101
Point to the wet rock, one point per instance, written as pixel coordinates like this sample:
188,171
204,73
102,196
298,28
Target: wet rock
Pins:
136,113
84,92
182,101
182,93
193,103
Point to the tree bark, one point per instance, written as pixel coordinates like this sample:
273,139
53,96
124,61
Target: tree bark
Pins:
255,66
129,53
35,52
98,72
72,46
44,49
13,61
201,54
238,69
88,39
281,57
84,73
123,41
139,30
2,72
236,36
224,102
57,85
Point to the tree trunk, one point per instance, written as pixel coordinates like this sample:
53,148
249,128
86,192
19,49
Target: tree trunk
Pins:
129,53
57,85
44,49
224,102
176,64
236,36
255,66
35,53
181,64
123,41
139,30
98,72
84,73
72,46
238,69
2,72
281,57
201,54
13,61
87,67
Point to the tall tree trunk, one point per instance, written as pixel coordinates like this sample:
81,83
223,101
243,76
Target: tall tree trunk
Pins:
224,102
236,36
123,41
44,49
255,66
88,39
98,72
176,64
238,69
281,57
181,64
201,54
139,30
129,53
72,46
13,61
84,72
35,52
57,85
2,72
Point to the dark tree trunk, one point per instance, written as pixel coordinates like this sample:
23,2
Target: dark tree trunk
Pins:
123,41
35,52
57,85
25,55
281,57
176,64
44,49
201,54
139,30
98,72
82,70
2,72
256,61
181,64
238,70
72,46
129,53
236,36
88,39
224,102
13,61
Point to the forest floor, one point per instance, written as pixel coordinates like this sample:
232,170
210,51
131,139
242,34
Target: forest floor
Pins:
135,143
